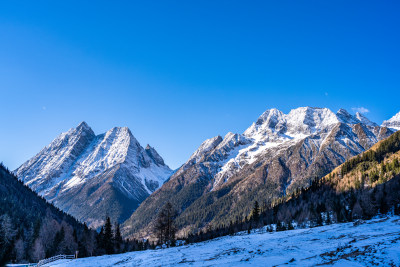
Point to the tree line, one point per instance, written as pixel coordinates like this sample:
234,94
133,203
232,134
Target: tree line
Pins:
366,186
32,229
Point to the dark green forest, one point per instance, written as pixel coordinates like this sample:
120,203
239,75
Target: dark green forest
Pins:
32,229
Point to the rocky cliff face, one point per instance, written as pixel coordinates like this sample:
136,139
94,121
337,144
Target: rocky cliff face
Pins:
277,154
93,176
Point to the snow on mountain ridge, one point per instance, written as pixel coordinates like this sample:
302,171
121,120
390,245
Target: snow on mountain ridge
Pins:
205,147
345,117
57,157
109,150
365,120
276,129
78,156
154,155
393,123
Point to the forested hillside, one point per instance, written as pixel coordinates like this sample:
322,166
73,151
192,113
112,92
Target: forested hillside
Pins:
362,187
275,157
32,229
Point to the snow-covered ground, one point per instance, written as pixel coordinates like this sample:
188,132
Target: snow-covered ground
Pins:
374,242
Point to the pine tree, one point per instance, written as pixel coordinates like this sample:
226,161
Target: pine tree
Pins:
117,238
255,214
108,237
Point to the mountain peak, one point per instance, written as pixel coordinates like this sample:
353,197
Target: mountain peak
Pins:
205,147
393,122
305,119
302,120
82,129
107,171
121,135
270,115
344,115
153,154
365,120
83,124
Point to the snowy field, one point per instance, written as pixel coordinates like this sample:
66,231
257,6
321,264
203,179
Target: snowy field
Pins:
374,242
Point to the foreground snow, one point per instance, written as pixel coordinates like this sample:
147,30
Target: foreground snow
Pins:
374,242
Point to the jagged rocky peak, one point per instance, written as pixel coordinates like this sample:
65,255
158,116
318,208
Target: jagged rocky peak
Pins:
345,117
89,176
205,147
364,120
303,120
308,119
84,126
82,130
271,120
232,140
271,117
107,151
393,123
57,157
123,136
153,154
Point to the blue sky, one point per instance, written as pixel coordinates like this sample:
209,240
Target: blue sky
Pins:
178,72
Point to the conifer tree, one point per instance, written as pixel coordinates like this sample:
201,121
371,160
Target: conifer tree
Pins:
108,237
117,238
255,214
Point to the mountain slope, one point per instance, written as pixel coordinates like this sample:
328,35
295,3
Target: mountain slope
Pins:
361,188
393,123
373,243
28,223
93,176
276,155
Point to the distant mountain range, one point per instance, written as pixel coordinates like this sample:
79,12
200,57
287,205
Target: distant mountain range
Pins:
276,155
91,176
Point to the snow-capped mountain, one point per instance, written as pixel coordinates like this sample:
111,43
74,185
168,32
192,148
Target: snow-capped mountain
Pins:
393,123
277,154
275,130
93,176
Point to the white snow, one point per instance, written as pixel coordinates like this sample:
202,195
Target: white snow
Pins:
374,242
69,161
365,120
274,129
393,123
205,147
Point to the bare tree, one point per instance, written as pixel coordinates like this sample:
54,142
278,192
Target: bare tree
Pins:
38,250
164,226
19,250
7,232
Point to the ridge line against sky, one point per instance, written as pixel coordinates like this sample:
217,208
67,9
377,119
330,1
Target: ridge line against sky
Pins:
177,73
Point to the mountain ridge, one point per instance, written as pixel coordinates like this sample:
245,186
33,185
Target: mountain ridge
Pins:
79,170
276,155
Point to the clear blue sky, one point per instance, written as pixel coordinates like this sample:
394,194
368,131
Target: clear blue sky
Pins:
178,72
